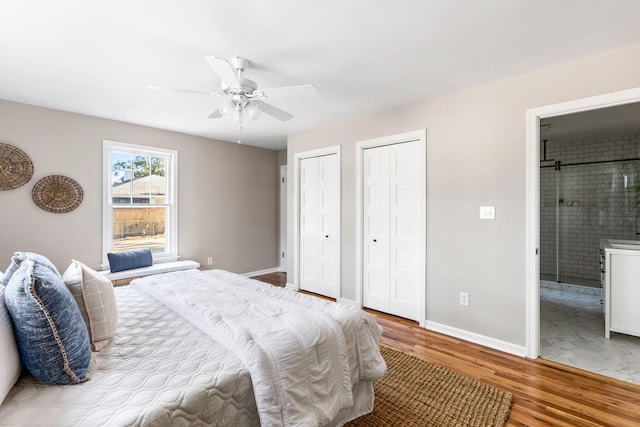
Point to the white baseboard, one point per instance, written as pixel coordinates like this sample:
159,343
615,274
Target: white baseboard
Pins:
507,347
348,301
292,287
261,272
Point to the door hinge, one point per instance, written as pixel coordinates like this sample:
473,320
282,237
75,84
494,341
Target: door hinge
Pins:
282,254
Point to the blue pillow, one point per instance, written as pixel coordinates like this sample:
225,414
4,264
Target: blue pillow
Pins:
127,260
52,338
18,257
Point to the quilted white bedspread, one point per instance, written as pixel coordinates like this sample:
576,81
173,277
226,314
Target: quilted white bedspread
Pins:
304,354
159,371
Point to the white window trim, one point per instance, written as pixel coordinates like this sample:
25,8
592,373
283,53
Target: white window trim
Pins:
108,147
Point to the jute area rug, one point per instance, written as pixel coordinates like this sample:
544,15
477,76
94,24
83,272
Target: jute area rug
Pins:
418,393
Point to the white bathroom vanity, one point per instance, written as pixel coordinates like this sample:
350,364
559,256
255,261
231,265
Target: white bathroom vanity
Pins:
621,293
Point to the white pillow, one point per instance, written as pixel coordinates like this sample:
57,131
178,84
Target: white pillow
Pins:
97,302
9,357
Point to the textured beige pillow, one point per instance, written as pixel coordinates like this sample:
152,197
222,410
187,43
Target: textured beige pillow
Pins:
97,301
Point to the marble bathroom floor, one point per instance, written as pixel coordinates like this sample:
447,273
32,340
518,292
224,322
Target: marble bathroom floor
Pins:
572,333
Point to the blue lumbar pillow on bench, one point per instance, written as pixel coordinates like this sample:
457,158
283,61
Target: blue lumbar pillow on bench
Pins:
128,260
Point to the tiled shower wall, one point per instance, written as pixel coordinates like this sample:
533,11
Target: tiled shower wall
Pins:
592,203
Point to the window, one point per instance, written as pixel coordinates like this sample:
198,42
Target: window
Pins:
140,200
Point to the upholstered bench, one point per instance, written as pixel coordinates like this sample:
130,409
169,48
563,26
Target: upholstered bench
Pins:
126,276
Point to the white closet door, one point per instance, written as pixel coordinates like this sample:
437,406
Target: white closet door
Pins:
391,234
319,234
329,187
309,231
376,229
404,242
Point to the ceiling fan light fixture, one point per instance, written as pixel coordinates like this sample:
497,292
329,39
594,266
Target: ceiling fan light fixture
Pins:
252,111
228,107
237,117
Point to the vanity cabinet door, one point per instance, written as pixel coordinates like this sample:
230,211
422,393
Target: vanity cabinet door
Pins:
623,292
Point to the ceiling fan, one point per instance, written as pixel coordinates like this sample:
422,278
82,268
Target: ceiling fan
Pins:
241,97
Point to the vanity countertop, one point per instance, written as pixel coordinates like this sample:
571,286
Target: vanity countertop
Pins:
621,245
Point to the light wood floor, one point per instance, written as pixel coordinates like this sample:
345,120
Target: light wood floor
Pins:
545,393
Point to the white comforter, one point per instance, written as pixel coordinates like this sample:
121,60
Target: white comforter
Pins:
304,354
160,371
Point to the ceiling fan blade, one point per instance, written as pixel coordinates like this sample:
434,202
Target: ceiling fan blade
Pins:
273,111
197,92
289,91
224,70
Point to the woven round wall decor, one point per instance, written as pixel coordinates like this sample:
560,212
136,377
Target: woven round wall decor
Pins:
16,168
57,194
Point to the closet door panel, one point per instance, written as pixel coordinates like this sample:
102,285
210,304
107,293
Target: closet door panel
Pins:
328,227
376,229
309,219
404,212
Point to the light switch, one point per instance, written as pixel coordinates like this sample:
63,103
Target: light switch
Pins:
487,212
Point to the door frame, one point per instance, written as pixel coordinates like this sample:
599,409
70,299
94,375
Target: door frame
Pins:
532,264
282,244
298,157
418,135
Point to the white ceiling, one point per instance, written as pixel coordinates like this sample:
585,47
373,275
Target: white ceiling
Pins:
97,57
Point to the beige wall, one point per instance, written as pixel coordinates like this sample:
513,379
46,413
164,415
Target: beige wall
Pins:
475,157
282,157
228,193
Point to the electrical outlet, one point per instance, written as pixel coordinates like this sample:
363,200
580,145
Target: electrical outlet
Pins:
210,260
464,299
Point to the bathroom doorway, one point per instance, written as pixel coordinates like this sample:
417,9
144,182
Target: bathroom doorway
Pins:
589,182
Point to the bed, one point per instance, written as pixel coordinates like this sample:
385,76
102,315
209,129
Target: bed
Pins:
214,348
